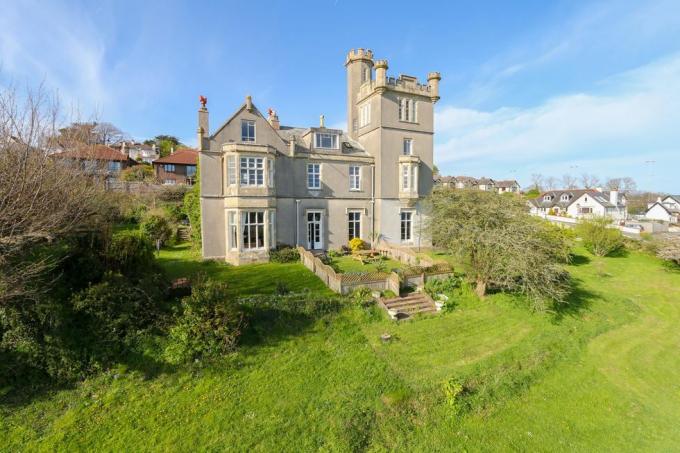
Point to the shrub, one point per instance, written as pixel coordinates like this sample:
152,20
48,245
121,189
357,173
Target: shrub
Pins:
210,324
157,228
281,288
441,286
284,254
357,244
598,238
191,205
362,296
138,173
452,391
130,253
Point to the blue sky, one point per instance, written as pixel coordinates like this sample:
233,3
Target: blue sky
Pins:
528,87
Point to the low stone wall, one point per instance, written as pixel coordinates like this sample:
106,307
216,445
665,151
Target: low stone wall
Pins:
403,254
378,281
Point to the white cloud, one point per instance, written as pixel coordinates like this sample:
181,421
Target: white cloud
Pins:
632,116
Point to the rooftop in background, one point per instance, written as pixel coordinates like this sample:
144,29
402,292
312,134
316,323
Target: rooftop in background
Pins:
93,152
183,156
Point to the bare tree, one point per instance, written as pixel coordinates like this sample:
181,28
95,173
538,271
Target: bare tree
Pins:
569,181
613,183
41,198
537,181
628,184
589,181
108,134
551,183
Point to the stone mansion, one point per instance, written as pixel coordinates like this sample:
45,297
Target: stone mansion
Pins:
264,184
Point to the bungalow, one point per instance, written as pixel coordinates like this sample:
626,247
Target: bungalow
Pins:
486,184
100,160
177,168
581,203
508,186
466,182
666,209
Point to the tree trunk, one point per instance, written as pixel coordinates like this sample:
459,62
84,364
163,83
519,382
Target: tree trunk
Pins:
480,290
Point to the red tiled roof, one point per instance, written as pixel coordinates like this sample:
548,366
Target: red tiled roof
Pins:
183,156
96,152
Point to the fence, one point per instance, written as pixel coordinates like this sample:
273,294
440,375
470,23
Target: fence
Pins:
403,254
379,281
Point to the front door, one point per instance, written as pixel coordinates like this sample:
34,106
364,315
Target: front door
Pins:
314,230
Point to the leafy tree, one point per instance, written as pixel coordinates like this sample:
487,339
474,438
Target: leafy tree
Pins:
598,238
501,244
435,170
192,208
669,249
157,228
138,173
533,193
165,143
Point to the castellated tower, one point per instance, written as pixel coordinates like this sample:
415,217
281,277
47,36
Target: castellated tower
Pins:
393,118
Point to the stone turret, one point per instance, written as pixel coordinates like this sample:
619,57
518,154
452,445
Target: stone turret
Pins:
433,79
381,75
359,64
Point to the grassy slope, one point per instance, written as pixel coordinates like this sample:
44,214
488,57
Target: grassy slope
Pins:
348,264
602,376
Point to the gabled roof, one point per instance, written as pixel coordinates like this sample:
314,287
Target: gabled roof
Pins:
485,181
243,107
507,183
675,198
93,152
601,198
469,180
183,156
668,211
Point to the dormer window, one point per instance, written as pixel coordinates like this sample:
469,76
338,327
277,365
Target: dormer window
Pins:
328,141
247,131
565,197
547,197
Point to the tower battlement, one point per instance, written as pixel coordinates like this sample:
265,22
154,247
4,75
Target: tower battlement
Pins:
359,54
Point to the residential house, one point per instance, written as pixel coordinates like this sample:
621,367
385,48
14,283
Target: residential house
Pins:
581,203
508,186
665,209
264,184
486,184
139,152
177,168
98,160
466,182
445,181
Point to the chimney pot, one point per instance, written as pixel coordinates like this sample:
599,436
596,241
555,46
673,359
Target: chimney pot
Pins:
322,122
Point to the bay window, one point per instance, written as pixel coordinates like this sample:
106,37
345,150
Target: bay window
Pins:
252,171
231,170
253,229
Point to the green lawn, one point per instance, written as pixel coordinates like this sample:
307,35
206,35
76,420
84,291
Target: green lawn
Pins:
183,261
346,264
601,376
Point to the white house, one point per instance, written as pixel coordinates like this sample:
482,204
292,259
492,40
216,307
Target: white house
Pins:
581,203
505,186
666,209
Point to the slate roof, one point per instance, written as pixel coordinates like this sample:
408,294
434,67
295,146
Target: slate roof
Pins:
467,180
507,183
347,145
601,197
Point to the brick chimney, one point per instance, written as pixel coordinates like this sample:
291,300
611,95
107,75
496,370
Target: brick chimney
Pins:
273,119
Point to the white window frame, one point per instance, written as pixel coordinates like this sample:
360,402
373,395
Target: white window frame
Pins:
405,178
365,114
409,229
189,167
169,182
564,197
314,172
353,223
233,227
407,149
246,137
354,178
547,198
318,140
231,170
247,230
254,166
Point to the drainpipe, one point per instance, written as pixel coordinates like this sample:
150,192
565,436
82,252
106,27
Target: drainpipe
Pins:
297,223
373,238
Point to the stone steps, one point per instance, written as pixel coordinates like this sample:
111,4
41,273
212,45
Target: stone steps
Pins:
407,306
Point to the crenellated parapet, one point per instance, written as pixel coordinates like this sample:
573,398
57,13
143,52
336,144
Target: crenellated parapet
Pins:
359,55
